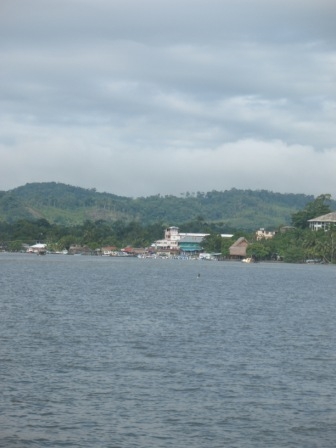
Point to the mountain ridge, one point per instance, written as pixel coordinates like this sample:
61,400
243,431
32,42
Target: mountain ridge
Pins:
65,204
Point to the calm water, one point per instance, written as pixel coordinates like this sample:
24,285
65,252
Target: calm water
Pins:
103,352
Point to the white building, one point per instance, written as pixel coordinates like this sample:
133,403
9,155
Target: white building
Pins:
38,248
264,234
170,241
323,222
173,238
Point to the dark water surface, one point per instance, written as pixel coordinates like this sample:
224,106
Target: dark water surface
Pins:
119,352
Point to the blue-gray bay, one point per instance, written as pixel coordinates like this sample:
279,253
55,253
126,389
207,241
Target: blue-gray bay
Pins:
127,352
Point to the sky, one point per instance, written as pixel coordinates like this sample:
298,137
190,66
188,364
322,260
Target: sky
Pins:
146,97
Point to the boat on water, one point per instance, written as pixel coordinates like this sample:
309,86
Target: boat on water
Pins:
248,260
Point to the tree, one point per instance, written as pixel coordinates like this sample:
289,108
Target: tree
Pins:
313,209
259,250
15,246
212,243
65,242
293,254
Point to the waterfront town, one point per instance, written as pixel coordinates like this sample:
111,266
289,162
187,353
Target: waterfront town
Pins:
176,244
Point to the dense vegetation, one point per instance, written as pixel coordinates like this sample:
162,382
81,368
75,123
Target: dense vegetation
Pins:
92,234
70,206
292,246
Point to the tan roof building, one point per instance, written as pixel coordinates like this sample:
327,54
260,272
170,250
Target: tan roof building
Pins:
323,222
238,249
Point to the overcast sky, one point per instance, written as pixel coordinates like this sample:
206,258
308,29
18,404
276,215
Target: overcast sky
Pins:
140,97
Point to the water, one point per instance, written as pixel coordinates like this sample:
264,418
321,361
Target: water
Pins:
104,352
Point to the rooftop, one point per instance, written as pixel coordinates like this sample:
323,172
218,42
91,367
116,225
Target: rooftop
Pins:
330,217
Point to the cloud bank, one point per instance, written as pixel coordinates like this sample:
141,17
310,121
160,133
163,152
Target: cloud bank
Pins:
148,97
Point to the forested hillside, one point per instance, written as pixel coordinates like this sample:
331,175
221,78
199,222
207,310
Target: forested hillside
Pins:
69,205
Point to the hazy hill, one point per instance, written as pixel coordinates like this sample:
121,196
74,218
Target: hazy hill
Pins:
69,205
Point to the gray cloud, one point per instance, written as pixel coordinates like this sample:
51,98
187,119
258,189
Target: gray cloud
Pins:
150,97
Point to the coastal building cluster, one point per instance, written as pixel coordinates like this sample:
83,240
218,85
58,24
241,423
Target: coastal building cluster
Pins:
174,240
176,243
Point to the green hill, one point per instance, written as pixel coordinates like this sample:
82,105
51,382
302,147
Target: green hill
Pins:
69,205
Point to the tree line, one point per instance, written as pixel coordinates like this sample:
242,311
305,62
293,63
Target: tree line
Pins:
93,234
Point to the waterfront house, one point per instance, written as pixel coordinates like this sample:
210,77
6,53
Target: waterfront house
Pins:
238,249
129,250
37,248
191,244
108,250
